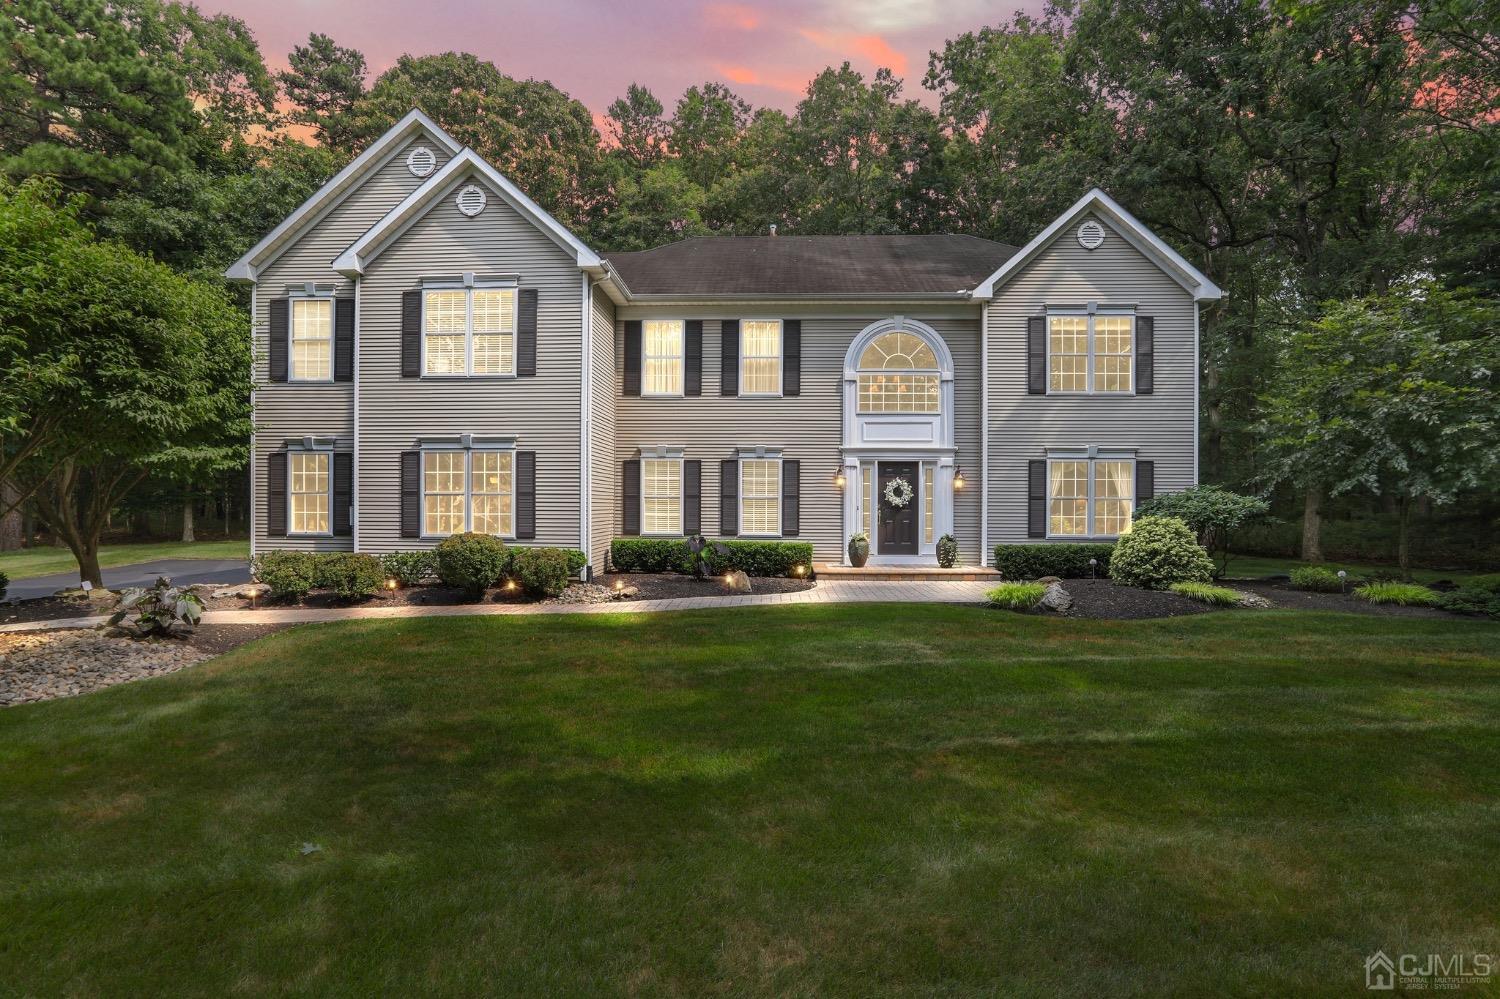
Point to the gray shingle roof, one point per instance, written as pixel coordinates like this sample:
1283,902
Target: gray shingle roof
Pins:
811,265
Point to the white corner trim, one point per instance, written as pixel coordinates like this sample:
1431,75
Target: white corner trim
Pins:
354,461
245,268
358,255
1128,227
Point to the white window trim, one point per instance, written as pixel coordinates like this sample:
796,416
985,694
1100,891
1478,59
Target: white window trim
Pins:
1089,459
1091,314
752,456
681,494
942,371
468,287
780,359
467,448
309,295
306,448
681,357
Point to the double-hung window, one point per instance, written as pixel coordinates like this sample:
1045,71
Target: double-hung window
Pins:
760,357
312,340
661,357
1090,497
1090,353
661,496
760,497
309,494
469,331
468,490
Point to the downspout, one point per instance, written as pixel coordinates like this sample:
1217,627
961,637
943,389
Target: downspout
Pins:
354,464
984,433
254,289
585,422
1197,377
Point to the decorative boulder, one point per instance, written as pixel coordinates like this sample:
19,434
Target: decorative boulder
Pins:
736,582
1047,580
1056,599
628,592
249,591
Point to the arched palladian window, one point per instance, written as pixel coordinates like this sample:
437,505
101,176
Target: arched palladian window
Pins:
898,373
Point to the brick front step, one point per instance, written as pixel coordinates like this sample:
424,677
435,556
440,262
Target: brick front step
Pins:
907,573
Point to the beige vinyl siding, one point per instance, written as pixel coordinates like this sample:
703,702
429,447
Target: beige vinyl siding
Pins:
603,467
1160,426
285,409
808,427
542,412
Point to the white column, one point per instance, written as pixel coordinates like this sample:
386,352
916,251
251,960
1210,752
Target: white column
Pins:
853,507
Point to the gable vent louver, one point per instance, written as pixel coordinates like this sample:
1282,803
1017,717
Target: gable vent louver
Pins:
1091,235
471,200
421,161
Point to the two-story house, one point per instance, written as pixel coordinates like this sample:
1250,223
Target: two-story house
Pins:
437,354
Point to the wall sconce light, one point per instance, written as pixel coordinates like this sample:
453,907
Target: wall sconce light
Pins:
838,477
958,477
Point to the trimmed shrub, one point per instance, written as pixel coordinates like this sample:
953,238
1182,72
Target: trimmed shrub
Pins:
472,562
576,560
1016,596
1471,600
1211,512
1316,578
289,574
754,558
1489,583
542,572
1065,560
409,568
349,574
947,551
1207,593
1158,552
4,584
1401,594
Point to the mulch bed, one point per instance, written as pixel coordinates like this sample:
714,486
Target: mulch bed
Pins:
1100,598
1283,596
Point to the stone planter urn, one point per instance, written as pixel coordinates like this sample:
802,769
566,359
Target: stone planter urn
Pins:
859,551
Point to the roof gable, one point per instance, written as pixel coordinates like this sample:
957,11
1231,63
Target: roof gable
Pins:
1129,228
465,165
343,183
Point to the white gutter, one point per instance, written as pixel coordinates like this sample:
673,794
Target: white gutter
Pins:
354,464
585,423
984,434
253,456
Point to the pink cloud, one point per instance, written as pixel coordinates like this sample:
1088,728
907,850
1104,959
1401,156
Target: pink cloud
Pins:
789,82
731,15
874,48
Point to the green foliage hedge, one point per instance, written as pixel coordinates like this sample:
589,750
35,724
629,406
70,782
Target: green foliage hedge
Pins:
754,558
1016,596
409,568
472,562
1158,552
4,584
1065,560
1471,600
542,572
1316,578
349,574
289,574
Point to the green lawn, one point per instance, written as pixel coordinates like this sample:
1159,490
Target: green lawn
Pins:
45,561
842,800
1257,566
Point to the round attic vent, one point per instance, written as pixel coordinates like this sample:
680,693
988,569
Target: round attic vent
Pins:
471,200
421,161
1091,235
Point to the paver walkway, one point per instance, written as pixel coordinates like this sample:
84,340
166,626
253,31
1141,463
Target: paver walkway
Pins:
830,592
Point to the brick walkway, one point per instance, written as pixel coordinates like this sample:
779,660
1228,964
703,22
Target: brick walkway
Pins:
827,592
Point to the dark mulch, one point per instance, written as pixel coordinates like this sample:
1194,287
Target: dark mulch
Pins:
412,596
220,638
1282,595
51,608
670,586
1100,598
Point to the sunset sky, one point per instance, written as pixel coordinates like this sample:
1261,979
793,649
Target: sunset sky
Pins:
767,49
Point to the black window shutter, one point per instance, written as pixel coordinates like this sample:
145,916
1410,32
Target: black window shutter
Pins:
276,494
525,495
1145,355
526,333
1145,481
630,497
281,329
791,357
791,498
632,357
729,497
1036,499
411,494
1036,355
343,339
343,492
692,497
411,339
729,357
692,358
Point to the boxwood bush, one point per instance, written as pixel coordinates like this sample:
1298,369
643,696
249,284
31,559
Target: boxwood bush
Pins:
1065,560
409,568
542,572
289,574
576,560
754,558
472,562
349,574
1158,552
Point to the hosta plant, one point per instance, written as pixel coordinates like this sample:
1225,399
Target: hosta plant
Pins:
162,609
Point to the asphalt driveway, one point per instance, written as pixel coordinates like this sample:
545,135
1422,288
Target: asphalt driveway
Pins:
181,570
